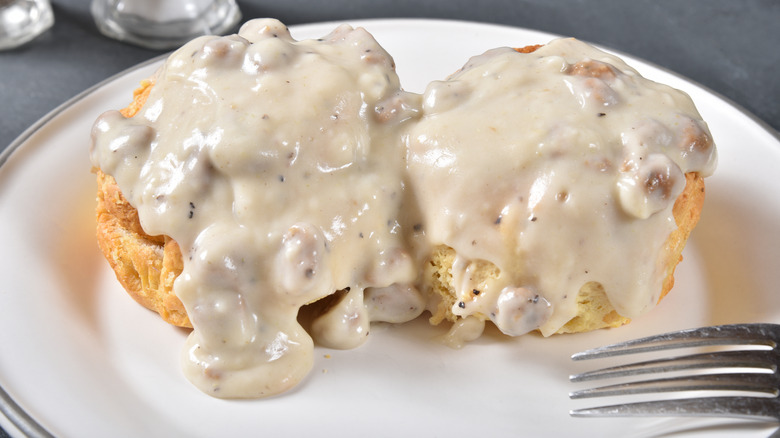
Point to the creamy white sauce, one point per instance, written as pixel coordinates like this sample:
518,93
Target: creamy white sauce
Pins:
289,170
560,167
276,165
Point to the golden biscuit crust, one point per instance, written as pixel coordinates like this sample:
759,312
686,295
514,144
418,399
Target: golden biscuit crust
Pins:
145,265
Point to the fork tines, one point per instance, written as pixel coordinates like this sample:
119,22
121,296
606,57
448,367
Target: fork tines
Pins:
765,379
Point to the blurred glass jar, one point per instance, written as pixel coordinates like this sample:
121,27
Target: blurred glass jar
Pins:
23,20
163,24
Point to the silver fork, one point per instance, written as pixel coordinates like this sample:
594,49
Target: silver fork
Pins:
763,407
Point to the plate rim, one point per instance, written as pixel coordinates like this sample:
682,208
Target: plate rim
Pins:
28,425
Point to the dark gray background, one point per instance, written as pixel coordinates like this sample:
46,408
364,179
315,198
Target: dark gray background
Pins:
730,46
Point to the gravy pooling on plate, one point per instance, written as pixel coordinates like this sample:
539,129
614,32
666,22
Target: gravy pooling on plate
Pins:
290,171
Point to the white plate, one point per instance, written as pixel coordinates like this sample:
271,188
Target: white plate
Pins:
81,359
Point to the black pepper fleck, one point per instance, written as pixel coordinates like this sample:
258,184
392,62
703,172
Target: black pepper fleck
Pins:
462,305
498,220
417,227
309,273
476,292
602,114
533,218
281,178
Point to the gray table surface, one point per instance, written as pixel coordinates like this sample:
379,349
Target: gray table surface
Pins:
731,47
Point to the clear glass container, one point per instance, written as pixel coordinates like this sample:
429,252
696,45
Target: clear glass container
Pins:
23,20
163,24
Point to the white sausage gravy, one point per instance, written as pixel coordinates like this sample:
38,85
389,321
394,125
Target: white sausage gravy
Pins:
560,167
290,171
